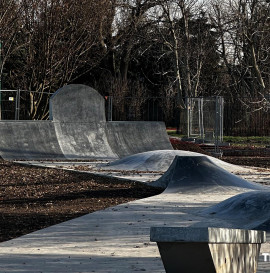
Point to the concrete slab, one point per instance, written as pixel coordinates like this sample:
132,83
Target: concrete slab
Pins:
217,250
207,235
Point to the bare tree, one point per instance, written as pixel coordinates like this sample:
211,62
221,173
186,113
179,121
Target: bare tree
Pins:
243,28
10,25
186,43
61,42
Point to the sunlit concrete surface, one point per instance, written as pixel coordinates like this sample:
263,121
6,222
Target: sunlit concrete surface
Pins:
114,240
118,239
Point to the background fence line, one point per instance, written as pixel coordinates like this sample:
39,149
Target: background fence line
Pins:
242,116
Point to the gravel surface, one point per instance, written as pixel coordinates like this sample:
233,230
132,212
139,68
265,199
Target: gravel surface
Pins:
33,198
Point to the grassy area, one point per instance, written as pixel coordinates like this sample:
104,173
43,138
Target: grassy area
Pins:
235,140
174,134
250,140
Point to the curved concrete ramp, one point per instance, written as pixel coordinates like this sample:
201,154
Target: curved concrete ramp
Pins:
29,140
249,210
77,103
159,160
198,174
128,138
78,130
83,140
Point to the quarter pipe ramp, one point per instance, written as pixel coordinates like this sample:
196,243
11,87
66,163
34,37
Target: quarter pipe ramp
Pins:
78,129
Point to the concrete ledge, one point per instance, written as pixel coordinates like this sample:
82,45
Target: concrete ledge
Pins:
207,235
208,250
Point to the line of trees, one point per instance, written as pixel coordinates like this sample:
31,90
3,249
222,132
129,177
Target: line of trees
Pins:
138,48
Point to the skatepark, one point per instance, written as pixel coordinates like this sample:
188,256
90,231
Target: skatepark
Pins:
200,192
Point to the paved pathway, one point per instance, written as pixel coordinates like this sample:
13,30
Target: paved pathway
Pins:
113,240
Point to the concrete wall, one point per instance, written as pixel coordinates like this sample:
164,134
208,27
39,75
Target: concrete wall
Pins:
83,140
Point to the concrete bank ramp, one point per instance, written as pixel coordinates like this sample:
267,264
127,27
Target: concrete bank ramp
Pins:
198,174
133,137
29,140
160,160
78,130
248,210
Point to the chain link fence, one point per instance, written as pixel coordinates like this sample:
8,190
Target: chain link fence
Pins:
247,117
23,104
203,116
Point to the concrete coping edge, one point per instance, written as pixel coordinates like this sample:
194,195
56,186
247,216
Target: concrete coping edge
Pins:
206,235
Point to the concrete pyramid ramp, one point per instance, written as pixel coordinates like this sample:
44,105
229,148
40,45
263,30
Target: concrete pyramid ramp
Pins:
160,161
198,174
250,210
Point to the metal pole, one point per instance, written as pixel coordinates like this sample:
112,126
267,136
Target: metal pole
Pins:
110,100
17,109
218,124
188,116
0,80
19,104
201,119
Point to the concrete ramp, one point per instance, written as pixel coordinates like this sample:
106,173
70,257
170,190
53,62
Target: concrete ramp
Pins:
29,140
83,140
199,175
78,130
160,161
249,210
128,138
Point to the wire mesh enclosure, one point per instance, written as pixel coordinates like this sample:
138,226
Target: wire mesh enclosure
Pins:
247,116
205,118
23,104
9,104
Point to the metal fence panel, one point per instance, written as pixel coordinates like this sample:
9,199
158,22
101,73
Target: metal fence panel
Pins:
242,116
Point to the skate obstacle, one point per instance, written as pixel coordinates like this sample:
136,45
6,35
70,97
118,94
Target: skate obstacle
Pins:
78,129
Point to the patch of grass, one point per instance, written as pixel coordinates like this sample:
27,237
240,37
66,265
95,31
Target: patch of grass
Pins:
172,133
250,140
234,140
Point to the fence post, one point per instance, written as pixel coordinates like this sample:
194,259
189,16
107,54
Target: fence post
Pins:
188,116
201,120
17,110
110,105
219,122
0,80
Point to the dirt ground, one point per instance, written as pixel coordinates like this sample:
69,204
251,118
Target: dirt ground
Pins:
33,198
